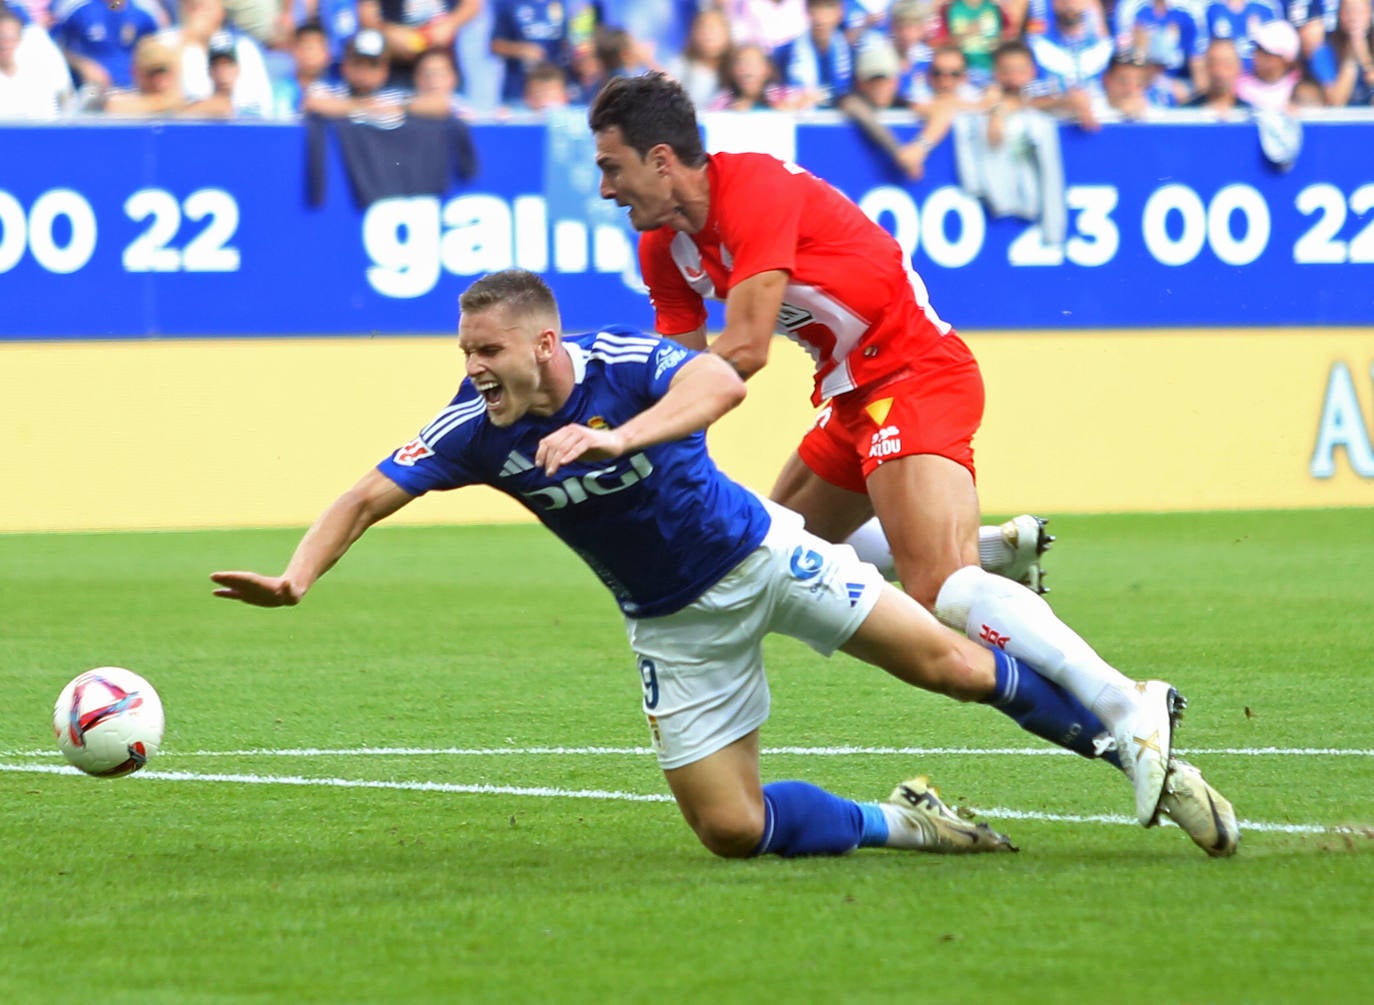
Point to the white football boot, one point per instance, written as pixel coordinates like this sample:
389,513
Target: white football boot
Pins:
1204,813
1013,550
1144,741
922,821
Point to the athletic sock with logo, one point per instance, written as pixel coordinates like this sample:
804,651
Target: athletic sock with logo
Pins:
1007,616
1044,708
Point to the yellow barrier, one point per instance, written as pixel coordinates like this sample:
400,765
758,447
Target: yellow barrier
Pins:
266,432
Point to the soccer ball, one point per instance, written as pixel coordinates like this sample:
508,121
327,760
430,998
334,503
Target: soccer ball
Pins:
108,721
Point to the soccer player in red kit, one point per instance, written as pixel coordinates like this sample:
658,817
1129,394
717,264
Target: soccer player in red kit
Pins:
903,397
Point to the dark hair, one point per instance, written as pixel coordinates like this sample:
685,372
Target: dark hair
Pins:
445,55
310,27
517,290
649,109
1015,47
950,49
545,71
1128,57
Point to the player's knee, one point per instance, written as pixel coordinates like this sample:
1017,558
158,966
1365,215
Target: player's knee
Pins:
923,589
730,833
965,671
923,579
958,592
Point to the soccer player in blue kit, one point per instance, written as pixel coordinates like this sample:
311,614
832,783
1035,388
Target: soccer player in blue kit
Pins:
602,437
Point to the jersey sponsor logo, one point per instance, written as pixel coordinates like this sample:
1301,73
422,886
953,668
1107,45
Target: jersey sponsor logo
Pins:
805,563
855,591
886,442
668,356
415,450
603,482
824,416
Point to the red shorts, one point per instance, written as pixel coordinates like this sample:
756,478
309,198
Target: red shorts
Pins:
934,407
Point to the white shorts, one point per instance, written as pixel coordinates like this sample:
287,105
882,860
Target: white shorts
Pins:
702,667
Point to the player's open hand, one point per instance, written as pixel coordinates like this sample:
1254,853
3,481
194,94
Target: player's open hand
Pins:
574,443
260,591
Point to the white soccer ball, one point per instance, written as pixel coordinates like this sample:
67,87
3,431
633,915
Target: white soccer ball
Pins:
108,721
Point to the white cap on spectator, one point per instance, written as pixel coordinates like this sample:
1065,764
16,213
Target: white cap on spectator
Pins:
368,43
911,10
877,58
1278,38
222,45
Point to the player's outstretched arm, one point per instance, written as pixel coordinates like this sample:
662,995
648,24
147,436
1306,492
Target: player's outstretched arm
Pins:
751,315
700,393
374,498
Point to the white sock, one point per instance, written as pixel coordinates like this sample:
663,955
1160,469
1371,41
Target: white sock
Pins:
1000,613
901,832
870,543
994,554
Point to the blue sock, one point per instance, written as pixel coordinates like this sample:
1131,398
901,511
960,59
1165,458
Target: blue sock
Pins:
803,819
1042,707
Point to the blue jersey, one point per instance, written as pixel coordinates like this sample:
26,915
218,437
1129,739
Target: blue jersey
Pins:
1174,38
541,21
1066,62
1223,22
831,73
104,34
659,527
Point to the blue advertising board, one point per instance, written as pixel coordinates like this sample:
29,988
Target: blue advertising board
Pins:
147,230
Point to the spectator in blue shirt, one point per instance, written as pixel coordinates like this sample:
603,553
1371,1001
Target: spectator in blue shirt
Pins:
99,40
310,64
820,64
1344,65
1070,58
526,32
1166,35
1237,20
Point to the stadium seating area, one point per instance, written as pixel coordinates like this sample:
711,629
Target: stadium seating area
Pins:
1094,60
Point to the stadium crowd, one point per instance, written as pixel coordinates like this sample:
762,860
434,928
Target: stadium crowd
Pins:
1088,61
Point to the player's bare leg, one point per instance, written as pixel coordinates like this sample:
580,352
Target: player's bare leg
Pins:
735,817
829,511
721,798
1011,549
929,509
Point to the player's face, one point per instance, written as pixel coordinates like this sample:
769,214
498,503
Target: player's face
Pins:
504,355
641,183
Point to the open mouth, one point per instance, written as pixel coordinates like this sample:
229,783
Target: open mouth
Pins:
490,391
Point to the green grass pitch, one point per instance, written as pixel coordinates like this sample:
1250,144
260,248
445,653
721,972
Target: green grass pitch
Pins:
418,787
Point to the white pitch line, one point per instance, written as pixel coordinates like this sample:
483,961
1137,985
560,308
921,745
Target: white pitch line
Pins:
647,751
358,783
996,813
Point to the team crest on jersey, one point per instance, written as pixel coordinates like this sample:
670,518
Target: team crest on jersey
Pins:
597,422
668,356
415,450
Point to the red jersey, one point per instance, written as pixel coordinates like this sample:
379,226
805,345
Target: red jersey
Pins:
852,300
